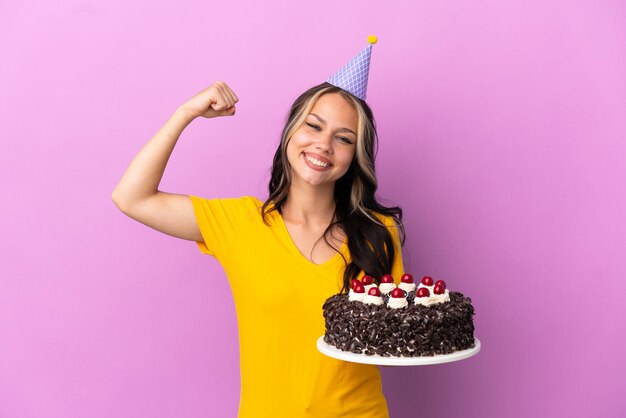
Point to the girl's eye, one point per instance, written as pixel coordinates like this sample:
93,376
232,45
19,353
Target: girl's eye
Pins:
313,126
341,138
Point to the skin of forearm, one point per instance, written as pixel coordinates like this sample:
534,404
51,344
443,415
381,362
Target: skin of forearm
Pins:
143,175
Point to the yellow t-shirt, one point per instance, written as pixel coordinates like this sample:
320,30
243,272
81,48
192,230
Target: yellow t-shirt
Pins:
278,297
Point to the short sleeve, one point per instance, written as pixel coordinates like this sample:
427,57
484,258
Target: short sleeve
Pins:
220,221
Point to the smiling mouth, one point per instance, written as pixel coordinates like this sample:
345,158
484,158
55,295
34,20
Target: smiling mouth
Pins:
316,162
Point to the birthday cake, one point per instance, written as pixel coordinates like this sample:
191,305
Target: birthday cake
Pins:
407,320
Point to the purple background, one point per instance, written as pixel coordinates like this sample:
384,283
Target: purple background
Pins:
502,127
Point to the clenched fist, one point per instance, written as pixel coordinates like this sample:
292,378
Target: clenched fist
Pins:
216,100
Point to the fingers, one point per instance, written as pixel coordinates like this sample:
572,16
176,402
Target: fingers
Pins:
216,100
228,112
226,98
231,94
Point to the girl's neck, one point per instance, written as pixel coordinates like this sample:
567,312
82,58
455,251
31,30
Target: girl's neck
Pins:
306,204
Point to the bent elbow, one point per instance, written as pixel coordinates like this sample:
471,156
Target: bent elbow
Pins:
119,203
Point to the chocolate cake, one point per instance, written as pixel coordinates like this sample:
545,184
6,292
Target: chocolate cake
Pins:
405,321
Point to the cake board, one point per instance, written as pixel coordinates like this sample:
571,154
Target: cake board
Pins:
334,352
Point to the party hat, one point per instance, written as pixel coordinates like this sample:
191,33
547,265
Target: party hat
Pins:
353,76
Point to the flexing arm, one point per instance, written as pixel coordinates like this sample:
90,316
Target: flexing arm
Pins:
137,194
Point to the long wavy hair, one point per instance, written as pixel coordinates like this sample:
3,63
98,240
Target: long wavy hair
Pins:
357,211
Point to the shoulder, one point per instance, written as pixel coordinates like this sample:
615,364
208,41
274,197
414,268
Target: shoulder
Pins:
229,206
387,220
247,202
229,201
393,225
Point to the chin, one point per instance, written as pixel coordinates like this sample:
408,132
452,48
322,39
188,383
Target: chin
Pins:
315,181
319,182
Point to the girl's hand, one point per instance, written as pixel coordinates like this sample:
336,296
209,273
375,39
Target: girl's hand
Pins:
216,100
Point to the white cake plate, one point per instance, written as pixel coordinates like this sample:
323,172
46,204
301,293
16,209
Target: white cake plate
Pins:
334,352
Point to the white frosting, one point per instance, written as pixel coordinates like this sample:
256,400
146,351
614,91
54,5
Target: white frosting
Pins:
430,288
369,286
352,296
432,299
373,300
397,303
407,287
386,287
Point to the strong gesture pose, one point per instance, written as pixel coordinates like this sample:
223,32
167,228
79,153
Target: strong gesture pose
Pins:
137,193
319,227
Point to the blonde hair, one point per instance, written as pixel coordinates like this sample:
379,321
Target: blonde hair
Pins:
364,155
357,211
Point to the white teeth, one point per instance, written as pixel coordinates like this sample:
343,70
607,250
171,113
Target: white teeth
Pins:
316,162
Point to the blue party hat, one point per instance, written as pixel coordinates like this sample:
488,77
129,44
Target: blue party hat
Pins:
353,76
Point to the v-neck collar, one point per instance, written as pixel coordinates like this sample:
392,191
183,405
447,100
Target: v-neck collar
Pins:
294,249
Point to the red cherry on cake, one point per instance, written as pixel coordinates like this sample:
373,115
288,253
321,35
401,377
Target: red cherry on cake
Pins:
374,292
441,282
427,281
387,278
397,293
422,292
439,289
367,280
406,278
358,288
354,282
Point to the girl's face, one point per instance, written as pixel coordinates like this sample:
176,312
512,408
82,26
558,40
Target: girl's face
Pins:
322,148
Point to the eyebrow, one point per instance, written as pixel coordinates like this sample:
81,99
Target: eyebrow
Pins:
340,129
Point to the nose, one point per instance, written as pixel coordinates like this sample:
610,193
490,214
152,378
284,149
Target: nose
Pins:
324,143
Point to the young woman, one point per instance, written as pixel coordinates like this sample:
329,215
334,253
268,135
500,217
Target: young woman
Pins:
320,227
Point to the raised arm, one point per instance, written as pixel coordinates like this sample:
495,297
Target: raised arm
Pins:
137,194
